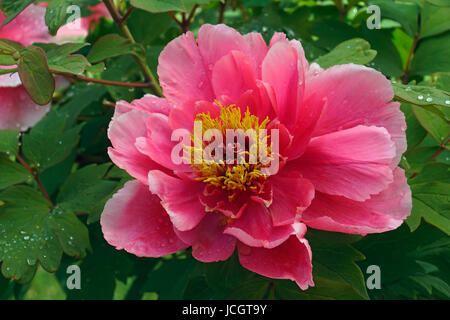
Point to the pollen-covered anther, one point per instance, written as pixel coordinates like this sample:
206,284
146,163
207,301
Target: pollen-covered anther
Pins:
243,170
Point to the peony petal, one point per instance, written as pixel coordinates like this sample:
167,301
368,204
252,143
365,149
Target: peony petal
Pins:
182,72
28,27
354,163
284,69
17,110
233,75
382,212
357,95
134,220
158,144
215,200
10,80
184,117
292,194
277,37
179,198
307,119
123,131
258,49
209,243
290,260
255,229
217,41
148,102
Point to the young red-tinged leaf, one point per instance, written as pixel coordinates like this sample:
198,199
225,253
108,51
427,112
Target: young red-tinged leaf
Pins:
10,46
61,58
35,75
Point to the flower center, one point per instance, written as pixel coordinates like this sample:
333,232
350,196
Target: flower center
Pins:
233,147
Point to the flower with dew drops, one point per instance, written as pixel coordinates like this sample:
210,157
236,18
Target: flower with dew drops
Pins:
339,141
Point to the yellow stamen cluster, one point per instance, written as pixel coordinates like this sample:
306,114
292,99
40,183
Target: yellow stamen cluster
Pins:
237,176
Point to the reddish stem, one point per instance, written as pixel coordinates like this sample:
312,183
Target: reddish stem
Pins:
222,5
126,16
142,85
35,176
408,62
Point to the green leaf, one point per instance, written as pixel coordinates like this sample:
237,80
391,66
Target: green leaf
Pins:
156,6
432,172
401,254
31,232
226,276
60,57
255,289
415,133
332,32
7,60
431,283
406,13
432,55
12,8
113,45
81,96
178,271
11,173
431,202
56,14
419,158
10,46
421,95
9,141
351,51
99,279
85,189
434,19
388,59
433,124
48,143
335,272
146,26
35,75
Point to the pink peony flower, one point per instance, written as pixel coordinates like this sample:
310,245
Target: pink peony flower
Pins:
340,141
17,110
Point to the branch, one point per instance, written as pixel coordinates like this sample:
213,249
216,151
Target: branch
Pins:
222,5
127,15
408,63
437,153
101,81
35,176
178,22
142,63
191,14
185,20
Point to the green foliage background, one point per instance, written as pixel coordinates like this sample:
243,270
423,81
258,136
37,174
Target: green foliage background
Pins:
66,151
